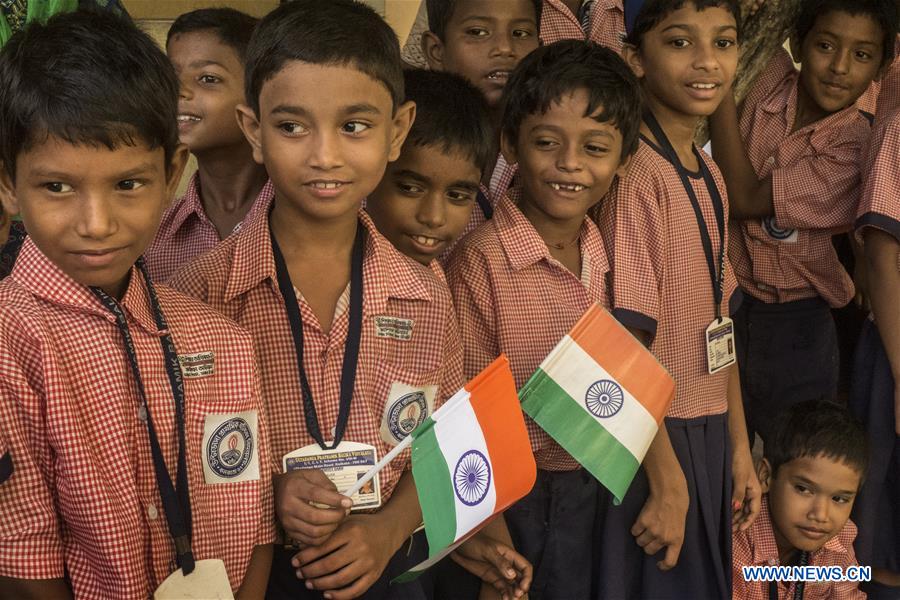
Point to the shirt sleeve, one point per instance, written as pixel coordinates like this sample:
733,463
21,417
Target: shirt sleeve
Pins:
878,206
267,467
821,190
30,542
468,274
639,249
847,590
775,72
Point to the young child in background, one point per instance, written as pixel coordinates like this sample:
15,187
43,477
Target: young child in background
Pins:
483,42
522,280
426,197
673,288
814,464
132,413
207,47
793,180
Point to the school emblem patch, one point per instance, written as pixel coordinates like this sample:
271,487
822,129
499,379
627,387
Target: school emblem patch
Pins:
230,448
407,408
775,232
604,398
472,478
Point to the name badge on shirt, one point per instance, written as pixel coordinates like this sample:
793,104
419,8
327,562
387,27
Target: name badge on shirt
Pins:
231,447
406,408
208,581
774,231
200,364
344,466
720,350
393,328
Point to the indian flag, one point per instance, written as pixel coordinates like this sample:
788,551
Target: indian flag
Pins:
602,396
471,460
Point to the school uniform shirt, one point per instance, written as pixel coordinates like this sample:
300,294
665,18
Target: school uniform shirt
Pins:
83,499
410,357
185,231
661,282
815,175
879,206
513,297
871,101
605,23
756,547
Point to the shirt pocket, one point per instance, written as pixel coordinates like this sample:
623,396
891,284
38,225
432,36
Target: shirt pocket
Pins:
403,399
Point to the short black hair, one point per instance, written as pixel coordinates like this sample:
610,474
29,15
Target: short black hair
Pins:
451,114
818,428
883,12
231,26
553,71
441,11
332,32
85,77
652,13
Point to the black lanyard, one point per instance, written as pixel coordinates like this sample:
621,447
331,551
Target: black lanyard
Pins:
798,588
717,276
351,349
485,205
175,497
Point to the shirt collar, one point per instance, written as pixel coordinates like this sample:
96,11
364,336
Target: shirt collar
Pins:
524,246
786,104
42,278
386,272
189,204
765,549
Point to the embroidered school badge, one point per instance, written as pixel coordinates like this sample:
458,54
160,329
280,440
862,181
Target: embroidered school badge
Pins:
788,236
406,409
230,448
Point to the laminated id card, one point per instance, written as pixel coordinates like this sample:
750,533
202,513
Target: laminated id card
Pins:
208,581
720,350
344,466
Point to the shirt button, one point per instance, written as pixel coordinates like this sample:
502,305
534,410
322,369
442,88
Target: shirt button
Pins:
152,513
772,562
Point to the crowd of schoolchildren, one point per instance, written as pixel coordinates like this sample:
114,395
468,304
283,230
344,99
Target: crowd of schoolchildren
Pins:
361,237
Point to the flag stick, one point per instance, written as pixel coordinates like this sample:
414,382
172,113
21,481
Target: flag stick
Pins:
404,443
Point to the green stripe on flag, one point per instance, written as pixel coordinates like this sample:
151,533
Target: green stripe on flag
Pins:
435,488
580,434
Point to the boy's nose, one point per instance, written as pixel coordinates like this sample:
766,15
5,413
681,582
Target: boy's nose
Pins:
96,218
841,62
504,44
432,211
818,511
705,57
568,158
325,153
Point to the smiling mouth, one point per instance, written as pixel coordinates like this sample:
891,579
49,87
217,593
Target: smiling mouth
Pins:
188,119
326,185
498,75
704,86
424,240
567,187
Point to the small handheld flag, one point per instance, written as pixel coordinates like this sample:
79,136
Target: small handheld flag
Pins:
602,396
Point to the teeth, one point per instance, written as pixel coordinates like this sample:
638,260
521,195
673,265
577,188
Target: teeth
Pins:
703,86
187,118
426,241
498,75
326,185
567,187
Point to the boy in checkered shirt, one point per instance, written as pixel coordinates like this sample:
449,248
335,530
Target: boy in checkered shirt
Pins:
600,21
483,42
664,223
207,49
132,413
812,470
793,179
522,280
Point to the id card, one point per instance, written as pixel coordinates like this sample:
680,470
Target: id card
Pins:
208,581
720,350
344,466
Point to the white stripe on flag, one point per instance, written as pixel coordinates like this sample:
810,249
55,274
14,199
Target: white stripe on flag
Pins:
574,370
458,433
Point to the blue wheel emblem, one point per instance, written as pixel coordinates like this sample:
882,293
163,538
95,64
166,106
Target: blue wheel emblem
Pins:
774,231
472,478
604,398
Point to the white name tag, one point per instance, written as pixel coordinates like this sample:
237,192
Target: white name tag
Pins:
344,466
201,364
208,581
231,447
720,350
406,408
393,328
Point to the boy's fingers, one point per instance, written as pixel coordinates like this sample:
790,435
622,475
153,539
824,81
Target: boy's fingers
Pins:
495,557
671,558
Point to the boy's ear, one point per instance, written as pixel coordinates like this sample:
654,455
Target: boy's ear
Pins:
622,171
7,193
249,124
764,474
508,148
404,117
795,46
175,169
633,60
433,50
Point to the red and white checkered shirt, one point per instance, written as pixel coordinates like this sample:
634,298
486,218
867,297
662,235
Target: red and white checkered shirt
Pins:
756,547
879,206
661,281
409,340
815,190
185,231
888,87
83,498
606,26
512,296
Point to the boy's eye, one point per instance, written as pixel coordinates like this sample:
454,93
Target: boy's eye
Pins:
460,197
477,31
801,488
680,43
292,128
355,127
863,55
129,185
55,187
209,79
545,144
725,43
596,149
409,188
522,33
825,46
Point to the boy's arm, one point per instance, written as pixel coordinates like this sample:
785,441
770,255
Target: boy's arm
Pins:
34,589
881,252
746,493
253,587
